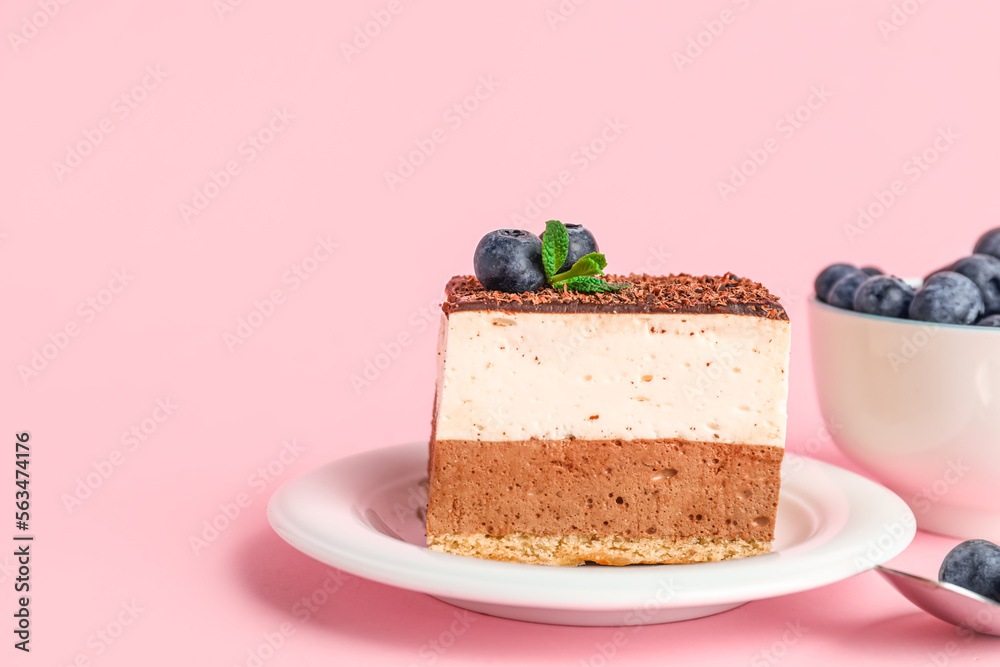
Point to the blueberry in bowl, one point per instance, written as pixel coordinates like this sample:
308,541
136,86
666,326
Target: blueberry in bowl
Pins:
842,293
883,295
829,276
947,298
989,243
984,271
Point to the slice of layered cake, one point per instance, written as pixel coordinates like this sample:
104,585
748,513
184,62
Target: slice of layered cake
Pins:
642,425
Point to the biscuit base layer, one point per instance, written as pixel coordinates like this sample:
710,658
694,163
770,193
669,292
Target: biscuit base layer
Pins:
576,549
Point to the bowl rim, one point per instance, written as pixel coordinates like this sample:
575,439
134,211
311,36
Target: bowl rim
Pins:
816,303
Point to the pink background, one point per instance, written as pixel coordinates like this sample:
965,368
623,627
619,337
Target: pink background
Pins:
161,101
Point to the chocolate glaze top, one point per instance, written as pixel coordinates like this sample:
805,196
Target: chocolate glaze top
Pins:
679,293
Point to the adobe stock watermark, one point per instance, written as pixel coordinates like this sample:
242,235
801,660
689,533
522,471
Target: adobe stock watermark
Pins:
230,511
292,279
793,634
247,151
303,610
35,22
656,261
223,8
634,621
910,346
87,310
562,12
932,493
712,29
982,620
880,549
419,321
913,169
365,33
131,440
432,650
101,640
416,502
789,296
787,127
498,417
454,118
812,446
578,337
580,160
121,108
900,15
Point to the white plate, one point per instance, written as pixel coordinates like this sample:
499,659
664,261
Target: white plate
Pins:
364,515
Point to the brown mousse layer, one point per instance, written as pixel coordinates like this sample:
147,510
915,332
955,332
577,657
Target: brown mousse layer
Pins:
632,488
680,293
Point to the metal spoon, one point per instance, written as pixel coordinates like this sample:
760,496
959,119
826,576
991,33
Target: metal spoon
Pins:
952,604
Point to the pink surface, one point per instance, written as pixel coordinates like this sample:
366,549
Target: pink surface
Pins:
199,243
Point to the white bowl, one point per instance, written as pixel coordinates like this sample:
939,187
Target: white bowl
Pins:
917,405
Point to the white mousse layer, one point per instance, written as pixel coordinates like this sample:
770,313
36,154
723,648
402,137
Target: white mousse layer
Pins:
599,376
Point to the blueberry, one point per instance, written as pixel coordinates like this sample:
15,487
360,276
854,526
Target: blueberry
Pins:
842,293
883,295
989,321
510,260
828,276
974,565
984,270
872,271
947,297
950,267
581,242
989,243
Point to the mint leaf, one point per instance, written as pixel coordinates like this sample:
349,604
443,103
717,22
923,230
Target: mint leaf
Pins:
582,275
555,246
589,265
590,284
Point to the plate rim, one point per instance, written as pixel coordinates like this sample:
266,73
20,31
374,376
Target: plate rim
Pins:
387,560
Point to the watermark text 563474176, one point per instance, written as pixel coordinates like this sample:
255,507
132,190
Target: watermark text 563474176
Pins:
22,541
